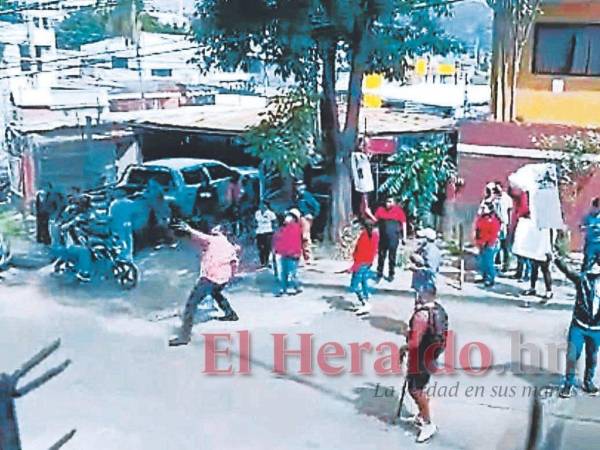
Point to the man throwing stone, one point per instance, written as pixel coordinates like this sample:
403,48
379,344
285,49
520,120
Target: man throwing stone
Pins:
218,265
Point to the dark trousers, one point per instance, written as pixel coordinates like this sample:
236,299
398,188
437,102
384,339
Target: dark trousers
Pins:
43,228
578,336
503,256
545,267
387,249
203,288
263,242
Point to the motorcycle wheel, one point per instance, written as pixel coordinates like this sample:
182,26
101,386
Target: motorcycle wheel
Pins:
61,266
126,274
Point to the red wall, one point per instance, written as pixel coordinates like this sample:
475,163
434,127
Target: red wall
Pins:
477,170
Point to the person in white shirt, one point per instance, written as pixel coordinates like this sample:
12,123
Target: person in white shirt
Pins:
504,205
265,218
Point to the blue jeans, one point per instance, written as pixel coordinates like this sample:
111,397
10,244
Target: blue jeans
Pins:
487,255
359,283
289,273
591,256
578,336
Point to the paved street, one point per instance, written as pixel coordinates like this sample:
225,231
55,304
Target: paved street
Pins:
118,343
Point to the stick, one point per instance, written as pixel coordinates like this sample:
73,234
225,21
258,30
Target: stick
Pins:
48,375
401,401
63,440
35,360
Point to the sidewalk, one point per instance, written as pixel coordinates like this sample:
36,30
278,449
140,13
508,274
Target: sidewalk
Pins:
323,273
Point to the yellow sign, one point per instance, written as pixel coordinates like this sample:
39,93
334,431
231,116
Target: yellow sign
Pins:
446,69
373,81
371,85
372,101
421,67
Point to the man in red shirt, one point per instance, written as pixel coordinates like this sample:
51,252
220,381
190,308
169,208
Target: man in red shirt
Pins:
392,221
487,232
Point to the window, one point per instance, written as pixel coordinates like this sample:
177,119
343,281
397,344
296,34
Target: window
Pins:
25,55
40,50
567,50
218,171
161,72
195,175
143,177
118,62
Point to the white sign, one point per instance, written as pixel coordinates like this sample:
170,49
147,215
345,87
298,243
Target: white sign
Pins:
541,182
361,173
531,242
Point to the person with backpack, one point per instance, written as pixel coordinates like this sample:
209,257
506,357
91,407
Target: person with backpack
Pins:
426,341
584,329
364,255
591,227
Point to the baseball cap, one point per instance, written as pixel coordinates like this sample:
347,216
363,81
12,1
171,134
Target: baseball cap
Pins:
427,233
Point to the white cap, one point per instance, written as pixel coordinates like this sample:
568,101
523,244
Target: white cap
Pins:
295,212
427,233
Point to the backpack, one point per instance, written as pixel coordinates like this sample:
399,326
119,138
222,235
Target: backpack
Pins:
437,330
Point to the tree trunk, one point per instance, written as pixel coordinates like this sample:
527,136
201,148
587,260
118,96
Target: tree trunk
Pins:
516,58
330,124
496,64
342,185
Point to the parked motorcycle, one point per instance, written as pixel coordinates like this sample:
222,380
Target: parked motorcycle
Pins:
105,261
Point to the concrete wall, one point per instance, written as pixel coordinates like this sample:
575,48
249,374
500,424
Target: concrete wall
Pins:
477,170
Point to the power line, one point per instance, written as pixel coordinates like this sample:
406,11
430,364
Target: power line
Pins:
42,7
79,66
88,55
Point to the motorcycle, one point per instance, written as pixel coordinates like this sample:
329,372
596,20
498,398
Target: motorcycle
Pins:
105,260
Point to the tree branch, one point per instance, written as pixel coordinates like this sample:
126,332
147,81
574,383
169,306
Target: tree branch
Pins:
35,360
20,392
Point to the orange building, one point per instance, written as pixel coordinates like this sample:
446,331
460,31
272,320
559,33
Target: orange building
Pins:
559,81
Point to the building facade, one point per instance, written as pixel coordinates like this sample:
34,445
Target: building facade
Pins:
559,81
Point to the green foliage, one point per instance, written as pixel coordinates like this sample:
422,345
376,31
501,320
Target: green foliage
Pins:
290,33
579,153
10,225
417,175
284,137
82,27
152,25
92,25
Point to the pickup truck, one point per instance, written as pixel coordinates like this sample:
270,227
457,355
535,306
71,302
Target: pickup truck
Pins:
185,183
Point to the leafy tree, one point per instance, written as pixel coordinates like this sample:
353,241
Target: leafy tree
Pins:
311,41
513,20
280,139
578,159
417,175
126,18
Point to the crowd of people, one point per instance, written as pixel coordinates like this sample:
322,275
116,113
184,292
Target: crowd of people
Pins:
283,245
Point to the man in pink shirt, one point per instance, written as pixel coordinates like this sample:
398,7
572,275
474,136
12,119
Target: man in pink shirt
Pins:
218,265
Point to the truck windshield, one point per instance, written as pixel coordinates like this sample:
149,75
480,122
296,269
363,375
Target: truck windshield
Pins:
143,177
